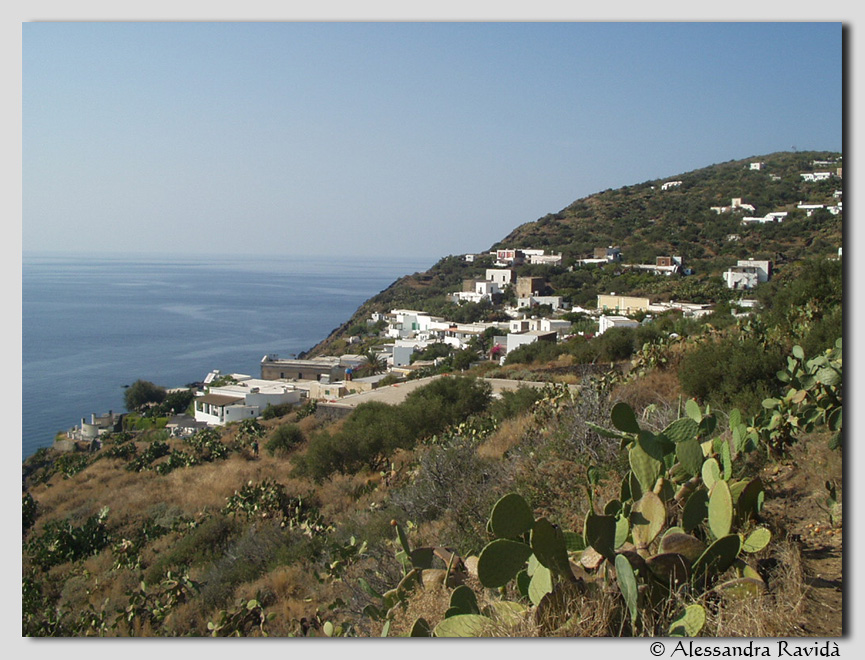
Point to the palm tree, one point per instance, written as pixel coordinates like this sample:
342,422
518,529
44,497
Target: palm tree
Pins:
374,362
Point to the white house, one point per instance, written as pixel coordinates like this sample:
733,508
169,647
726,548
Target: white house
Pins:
748,273
739,277
809,208
243,399
484,290
776,216
403,323
546,259
735,204
501,276
559,326
606,322
757,166
816,176
556,302
515,340
671,184
509,257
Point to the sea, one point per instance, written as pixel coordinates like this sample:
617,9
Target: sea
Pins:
92,325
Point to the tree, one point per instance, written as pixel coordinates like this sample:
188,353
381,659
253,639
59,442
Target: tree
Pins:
374,362
141,394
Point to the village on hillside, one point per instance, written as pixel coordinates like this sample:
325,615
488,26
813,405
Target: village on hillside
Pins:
411,345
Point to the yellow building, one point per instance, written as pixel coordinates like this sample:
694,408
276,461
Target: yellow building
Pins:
622,304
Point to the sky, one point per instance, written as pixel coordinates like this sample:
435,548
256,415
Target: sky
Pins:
417,139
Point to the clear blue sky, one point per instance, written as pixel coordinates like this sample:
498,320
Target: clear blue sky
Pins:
417,139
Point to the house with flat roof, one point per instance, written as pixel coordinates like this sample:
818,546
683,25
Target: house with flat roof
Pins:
605,322
243,398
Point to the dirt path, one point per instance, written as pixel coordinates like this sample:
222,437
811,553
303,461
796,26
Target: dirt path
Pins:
798,505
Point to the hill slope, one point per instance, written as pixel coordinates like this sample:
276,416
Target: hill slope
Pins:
647,221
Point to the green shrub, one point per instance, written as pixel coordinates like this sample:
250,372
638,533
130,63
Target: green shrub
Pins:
283,439
197,547
62,541
732,374
514,402
539,351
374,430
616,344
280,410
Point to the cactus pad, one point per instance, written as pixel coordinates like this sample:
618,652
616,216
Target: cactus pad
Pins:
720,509
757,540
645,468
511,516
686,545
648,516
624,419
689,623
548,545
627,585
500,561
600,533
464,600
690,455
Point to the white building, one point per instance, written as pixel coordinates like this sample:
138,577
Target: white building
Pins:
606,322
484,290
556,302
757,166
816,176
736,204
559,326
748,273
777,216
546,259
404,323
515,340
671,184
500,276
243,399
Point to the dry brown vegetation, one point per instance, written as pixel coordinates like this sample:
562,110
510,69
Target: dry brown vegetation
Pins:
543,459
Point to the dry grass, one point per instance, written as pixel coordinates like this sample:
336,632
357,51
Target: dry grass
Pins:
775,614
507,436
657,387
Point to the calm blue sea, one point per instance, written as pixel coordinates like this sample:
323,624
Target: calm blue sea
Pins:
92,325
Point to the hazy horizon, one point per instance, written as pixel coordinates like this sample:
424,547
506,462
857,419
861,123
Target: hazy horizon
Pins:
420,139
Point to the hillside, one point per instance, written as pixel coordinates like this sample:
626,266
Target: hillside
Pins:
646,221
679,478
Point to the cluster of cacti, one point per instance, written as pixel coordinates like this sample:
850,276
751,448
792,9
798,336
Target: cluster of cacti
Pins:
246,617
813,398
156,449
681,526
268,499
61,541
342,555
151,605
419,571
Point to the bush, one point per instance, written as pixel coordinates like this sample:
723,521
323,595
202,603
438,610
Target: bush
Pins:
514,402
201,545
455,485
375,430
732,374
142,393
616,344
283,439
61,541
539,351
273,411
